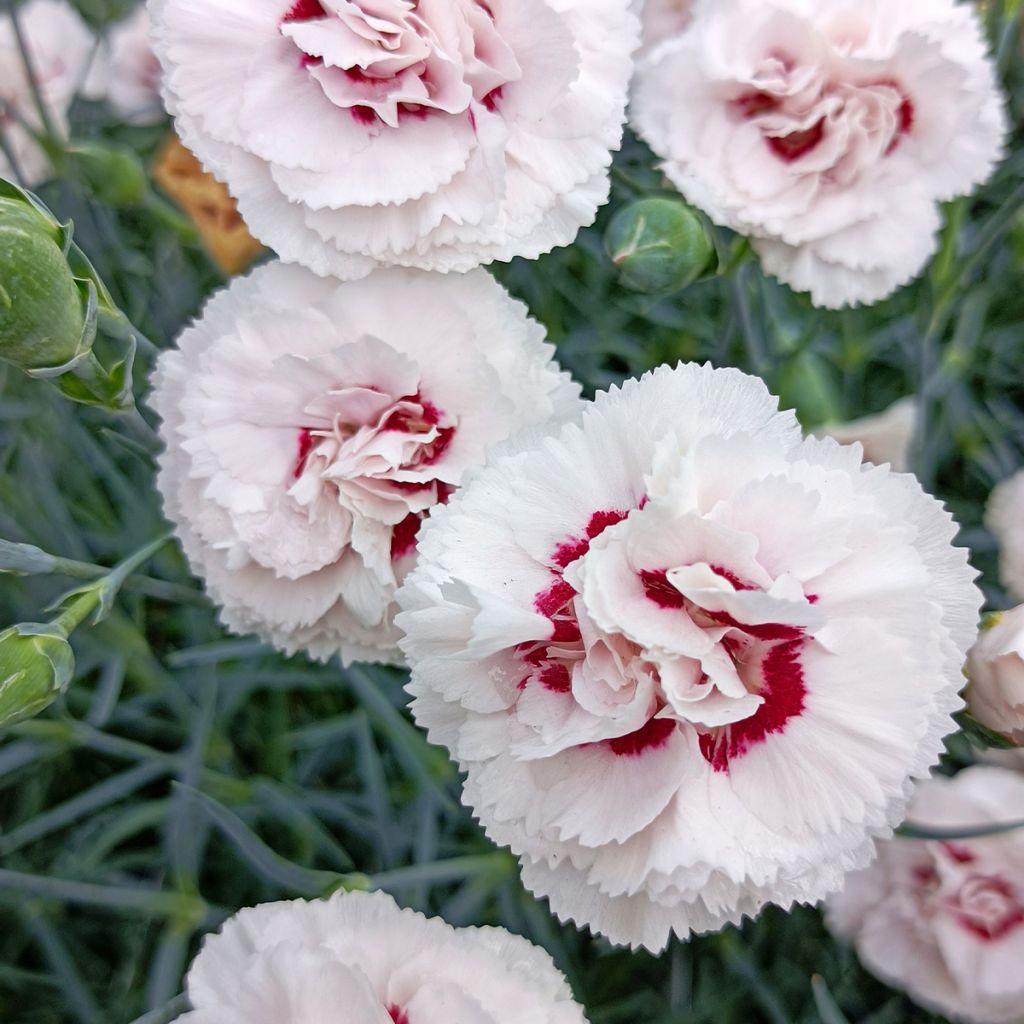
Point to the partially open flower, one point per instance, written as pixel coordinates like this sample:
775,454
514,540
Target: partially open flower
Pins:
689,661
945,920
886,437
1004,516
995,668
439,134
827,132
357,958
310,426
61,48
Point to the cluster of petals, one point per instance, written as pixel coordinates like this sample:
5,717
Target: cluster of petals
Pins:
1004,516
358,958
828,132
438,134
60,49
886,437
689,660
995,668
131,71
311,424
944,920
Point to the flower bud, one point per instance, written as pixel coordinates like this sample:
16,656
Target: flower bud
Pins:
43,313
115,176
36,665
995,668
660,245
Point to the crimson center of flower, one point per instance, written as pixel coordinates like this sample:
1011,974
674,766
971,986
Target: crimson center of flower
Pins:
382,62
988,907
766,660
796,126
376,451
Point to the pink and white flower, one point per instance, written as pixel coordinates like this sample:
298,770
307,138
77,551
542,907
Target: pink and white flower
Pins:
357,958
945,920
689,661
995,668
61,50
132,71
828,131
439,134
886,437
310,425
1004,516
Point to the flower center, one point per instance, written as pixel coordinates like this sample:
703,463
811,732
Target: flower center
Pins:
372,451
743,682
988,907
876,117
386,60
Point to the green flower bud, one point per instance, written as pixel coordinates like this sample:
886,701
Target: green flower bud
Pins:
44,313
660,245
36,665
115,176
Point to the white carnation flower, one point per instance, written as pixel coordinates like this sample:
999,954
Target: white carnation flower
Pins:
826,130
439,134
995,667
132,72
1004,516
357,958
61,48
310,425
688,660
945,920
886,437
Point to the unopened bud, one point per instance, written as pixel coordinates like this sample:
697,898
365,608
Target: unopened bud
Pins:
660,245
43,312
115,176
36,666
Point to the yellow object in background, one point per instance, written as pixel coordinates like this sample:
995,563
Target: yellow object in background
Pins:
208,205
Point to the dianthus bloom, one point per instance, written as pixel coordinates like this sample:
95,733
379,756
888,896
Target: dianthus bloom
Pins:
827,131
439,134
132,71
60,48
688,660
1004,516
310,425
945,920
357,958
886,437
995,667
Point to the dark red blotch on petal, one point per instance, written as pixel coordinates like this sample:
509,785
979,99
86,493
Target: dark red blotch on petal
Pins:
653,735
797,144
305,444
305,10
659,590
783,690
555,676
399,1016
403,536
576,547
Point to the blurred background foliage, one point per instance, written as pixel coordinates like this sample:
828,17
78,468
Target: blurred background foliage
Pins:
187,773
